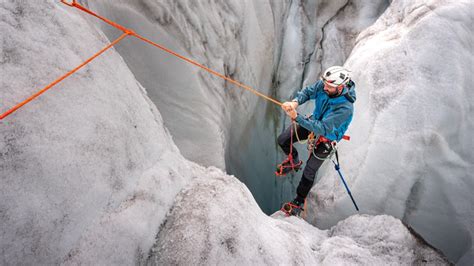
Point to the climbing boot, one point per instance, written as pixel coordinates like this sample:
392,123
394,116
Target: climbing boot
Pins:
292,208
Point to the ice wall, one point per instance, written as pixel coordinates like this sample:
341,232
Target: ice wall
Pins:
411,150
93,166
274,46
232,37
87,170
316,35
213,122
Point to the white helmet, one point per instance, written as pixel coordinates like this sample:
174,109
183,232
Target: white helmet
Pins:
336,76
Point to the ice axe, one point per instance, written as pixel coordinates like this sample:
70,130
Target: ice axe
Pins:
338,169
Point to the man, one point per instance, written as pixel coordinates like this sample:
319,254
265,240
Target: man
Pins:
334,96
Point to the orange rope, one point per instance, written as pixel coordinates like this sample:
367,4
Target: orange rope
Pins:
207,69
29,99
125,34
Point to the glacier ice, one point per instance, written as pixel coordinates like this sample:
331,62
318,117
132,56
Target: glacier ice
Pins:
215,221
411,152
79,166
272,46
232,38
89,170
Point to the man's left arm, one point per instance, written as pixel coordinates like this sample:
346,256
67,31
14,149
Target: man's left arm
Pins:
301,97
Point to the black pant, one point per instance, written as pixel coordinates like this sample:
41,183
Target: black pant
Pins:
312,164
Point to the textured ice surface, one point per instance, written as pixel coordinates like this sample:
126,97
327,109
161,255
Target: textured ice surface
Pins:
275,47
88,170
212,122
216,221
234,38
411,150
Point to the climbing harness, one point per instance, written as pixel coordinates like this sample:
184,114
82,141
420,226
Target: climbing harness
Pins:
313,143
126,32
288,164
328,145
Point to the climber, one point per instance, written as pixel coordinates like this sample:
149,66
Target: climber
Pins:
334,95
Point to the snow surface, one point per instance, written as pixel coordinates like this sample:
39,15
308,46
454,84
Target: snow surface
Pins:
216,221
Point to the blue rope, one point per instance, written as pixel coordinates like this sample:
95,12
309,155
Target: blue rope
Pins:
338,169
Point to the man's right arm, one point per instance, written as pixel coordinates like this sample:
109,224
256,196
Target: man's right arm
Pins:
306,93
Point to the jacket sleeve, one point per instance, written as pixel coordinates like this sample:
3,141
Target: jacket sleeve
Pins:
332,125
307,93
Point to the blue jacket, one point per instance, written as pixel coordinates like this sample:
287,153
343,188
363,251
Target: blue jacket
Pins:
331,116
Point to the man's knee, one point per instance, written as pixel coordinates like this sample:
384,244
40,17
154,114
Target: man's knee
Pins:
312,166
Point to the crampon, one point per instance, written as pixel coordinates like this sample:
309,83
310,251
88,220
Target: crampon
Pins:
287,166
291,209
